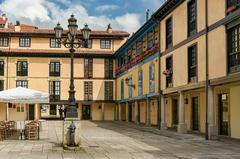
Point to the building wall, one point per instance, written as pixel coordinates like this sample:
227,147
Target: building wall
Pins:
234,111
154,112
134,73
38,76
44,43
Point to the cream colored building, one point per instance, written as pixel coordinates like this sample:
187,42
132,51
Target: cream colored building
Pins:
30,57
180,71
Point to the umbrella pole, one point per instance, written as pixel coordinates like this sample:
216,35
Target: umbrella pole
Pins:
7,113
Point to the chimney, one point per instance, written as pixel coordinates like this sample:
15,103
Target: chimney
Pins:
4,17
17,27
109,28
147,14
17,23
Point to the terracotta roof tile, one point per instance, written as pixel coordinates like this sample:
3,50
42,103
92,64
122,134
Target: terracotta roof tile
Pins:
2,21
32,29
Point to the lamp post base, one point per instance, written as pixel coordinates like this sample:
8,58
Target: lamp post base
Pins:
67,143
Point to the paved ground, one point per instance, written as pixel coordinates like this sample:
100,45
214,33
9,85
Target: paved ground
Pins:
118,140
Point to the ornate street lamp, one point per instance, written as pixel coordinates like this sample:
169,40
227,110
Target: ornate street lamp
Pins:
72,42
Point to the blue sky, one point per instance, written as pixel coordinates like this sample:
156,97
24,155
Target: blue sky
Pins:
126,15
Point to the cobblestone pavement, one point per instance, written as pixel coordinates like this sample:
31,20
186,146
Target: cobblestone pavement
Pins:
119,140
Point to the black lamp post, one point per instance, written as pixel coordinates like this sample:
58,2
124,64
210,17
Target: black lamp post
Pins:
72,42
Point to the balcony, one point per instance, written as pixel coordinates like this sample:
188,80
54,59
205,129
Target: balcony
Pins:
232,5
54,98
22,73
139,58
54,74
88,97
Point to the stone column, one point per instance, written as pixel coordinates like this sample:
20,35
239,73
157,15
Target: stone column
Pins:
119,112
37,111
148,120
136,113
127,112
103,110
163,118
212,129
116,112
182,126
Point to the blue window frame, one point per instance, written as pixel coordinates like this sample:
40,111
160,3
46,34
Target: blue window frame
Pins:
140,82
130,88
122,89
151,79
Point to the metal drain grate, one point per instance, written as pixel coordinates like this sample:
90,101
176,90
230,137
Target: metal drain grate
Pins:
93,146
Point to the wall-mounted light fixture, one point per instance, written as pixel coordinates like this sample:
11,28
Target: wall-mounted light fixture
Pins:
127,81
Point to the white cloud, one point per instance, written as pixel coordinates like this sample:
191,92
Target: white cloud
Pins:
129,22
46,14
104,8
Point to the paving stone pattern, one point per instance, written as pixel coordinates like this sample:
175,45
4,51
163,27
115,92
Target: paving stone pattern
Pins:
119,140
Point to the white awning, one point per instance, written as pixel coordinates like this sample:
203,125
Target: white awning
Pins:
23,95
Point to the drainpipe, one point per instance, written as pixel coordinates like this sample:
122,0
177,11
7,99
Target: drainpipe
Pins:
207,73
159,76
7,70
7,78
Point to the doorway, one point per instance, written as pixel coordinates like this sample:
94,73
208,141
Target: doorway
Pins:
86,112
53,109
130,112
195,114
31,111
223,113
174,112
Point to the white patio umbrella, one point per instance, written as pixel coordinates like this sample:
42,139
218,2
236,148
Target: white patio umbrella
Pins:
23,96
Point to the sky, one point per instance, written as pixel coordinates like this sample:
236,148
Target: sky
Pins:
125,15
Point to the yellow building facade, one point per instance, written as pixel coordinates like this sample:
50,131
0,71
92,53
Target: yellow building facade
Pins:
180,71
30,57
198,69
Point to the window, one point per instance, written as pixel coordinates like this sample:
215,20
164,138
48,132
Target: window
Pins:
1,85
192,63
150,39
105,44
108,68
140,82
88,90
139,47
22,68
129,87
108,90
122,89
20,109
54,69
234,49
54,90
4,42
24,42
1,68
54,43
22,83
168,33
151,78
169,67
88,68
192,17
